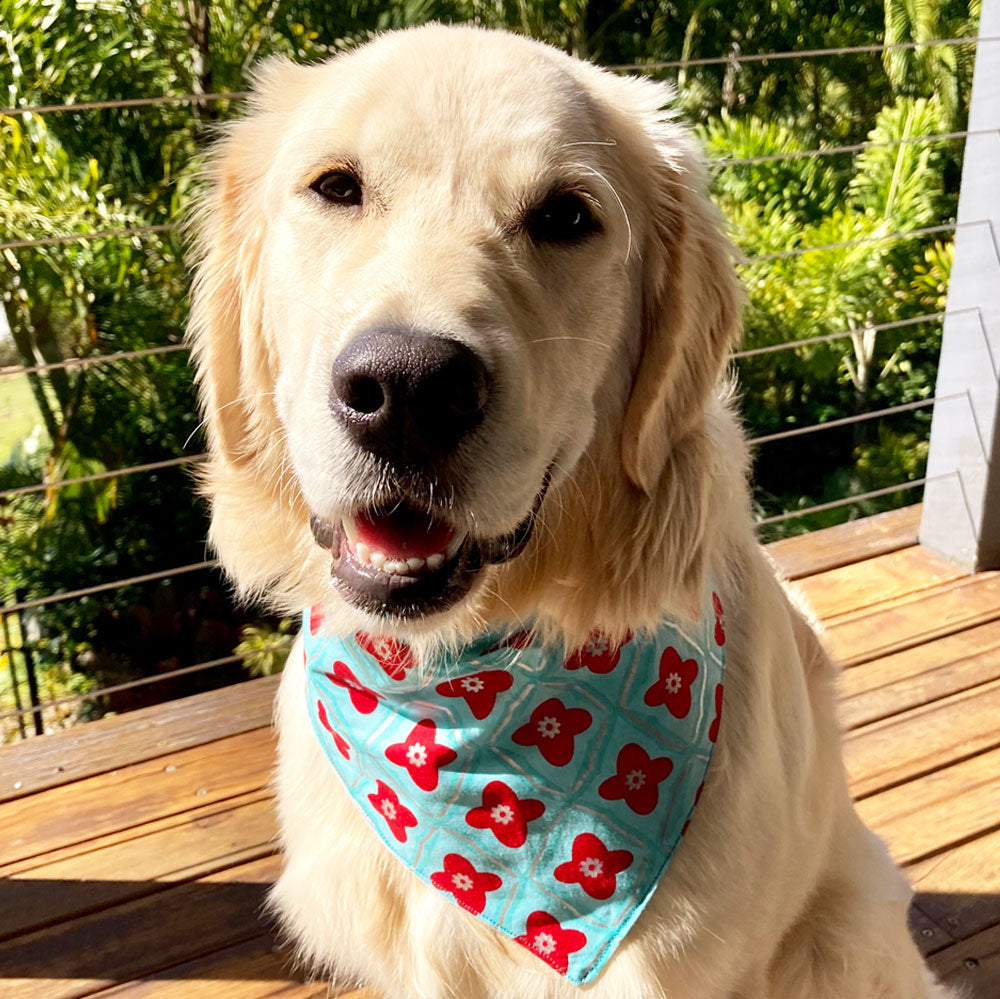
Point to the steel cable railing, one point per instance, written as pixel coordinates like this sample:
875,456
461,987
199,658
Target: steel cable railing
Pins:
153,466
116,584
735,58
855,498
141,681
737,355
738,58
86,362
75,362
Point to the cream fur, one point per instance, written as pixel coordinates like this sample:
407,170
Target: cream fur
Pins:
609,354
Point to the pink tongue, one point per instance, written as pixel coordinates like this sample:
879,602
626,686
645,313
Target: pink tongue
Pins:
403,532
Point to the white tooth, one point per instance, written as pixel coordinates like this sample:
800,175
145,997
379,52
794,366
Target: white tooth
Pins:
435,561
349,529
397,567
415,564
363,552
377,559
455,544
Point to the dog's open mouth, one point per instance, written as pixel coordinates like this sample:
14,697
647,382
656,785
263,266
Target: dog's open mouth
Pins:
402,562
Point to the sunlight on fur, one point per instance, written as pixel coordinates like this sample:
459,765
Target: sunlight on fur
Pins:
606,362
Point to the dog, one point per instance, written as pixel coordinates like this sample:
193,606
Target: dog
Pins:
461,323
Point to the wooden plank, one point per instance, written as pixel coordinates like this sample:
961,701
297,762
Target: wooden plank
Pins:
846,543
86,750
866,584
924,817
929,937
924,739
254,969
960,890
972,965
921,675
143,792
915,619
135,940
120,868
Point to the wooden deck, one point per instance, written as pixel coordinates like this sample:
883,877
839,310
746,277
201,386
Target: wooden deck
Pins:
135,851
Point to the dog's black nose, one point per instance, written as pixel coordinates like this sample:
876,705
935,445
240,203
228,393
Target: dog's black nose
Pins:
406,396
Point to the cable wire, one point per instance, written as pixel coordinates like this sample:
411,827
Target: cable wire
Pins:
843,334
235,95
139,682
139,230
126,102
86,362
904,407
86,591
803,53
847,500
857,147
152,466
799,251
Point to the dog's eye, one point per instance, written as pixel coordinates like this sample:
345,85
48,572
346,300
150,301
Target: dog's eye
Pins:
562,218
338,187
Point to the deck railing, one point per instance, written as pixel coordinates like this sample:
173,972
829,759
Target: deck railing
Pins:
960,479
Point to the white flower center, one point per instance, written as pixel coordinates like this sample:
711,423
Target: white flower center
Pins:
672,683
473,684
502,814
416,755
388,809
544,943
634,779
462,882
591,867
548,727
597,645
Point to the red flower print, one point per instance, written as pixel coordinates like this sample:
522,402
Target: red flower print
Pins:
594,867
713,730
398,817
637,779
468,885
697,798
315,619
599,654
421,755
394,657
720,621
552,728
364,700
545,937
341,743
503,812
479,690
518,640
673,688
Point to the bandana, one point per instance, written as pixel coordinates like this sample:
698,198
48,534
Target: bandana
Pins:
543,790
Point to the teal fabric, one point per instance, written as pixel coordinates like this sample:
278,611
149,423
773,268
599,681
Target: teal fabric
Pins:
543,790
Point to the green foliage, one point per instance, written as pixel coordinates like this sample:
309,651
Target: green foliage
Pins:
90,171
265,649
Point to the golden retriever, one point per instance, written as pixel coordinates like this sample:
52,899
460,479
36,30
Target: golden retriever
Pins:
525,244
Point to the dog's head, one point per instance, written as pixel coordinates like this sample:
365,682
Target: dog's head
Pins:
461,306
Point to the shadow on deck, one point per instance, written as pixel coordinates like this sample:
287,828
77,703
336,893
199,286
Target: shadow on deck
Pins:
136,851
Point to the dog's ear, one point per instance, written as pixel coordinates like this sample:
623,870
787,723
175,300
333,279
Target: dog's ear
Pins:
691,308
230,348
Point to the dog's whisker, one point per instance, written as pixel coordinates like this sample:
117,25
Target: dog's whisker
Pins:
617,196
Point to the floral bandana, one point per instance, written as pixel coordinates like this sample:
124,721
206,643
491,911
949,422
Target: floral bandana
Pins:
544,792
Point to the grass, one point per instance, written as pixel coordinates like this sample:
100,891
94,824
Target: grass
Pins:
19,413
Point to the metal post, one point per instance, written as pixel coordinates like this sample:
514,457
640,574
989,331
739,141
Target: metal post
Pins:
14,682
29,668
961,512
